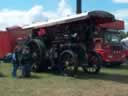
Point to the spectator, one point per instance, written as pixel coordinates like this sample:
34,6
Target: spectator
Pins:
26,62
16,60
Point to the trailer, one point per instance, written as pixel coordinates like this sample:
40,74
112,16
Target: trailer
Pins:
5,43
9,38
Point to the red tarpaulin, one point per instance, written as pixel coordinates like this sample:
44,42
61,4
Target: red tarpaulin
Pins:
119,25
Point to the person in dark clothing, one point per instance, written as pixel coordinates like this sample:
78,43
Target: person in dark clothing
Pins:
26,62
16,60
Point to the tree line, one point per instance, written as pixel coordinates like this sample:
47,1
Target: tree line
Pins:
124,34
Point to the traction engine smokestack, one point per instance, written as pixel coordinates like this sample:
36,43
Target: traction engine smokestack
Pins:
78,7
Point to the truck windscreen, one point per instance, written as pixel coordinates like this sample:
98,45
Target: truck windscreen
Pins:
112,37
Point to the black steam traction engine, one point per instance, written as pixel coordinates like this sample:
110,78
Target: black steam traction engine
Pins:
67,44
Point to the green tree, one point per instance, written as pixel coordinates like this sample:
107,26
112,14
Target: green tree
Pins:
123,34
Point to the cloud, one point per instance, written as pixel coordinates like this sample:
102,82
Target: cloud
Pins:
63,10
9,17
122,15
120,1
17,17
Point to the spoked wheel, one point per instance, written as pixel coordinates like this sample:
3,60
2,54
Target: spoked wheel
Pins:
68,63
38,51
94,63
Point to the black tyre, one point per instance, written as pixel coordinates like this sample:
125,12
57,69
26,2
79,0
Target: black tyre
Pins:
39,55
68,63
94,62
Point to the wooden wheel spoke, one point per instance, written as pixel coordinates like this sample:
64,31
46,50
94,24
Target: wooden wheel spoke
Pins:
68,62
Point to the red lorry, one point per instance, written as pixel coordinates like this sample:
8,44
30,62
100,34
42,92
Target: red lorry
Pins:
5,43
107,42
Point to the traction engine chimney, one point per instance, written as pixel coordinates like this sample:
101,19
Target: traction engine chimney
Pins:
78,6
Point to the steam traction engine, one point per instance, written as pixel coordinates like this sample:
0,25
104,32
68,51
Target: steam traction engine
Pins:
67,44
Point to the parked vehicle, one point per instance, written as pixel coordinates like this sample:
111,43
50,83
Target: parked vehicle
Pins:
124,43
5,44
8,39
67,44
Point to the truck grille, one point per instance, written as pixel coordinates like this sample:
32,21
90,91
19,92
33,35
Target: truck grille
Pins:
117,49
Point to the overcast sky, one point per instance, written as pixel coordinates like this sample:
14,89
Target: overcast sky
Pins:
24,12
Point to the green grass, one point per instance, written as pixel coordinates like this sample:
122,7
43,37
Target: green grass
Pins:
110,82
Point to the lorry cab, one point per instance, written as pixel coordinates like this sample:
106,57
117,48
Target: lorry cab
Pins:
107,43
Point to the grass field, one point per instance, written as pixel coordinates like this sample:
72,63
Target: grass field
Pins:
110,82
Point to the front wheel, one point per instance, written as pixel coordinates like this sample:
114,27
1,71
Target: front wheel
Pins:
68,62
94,62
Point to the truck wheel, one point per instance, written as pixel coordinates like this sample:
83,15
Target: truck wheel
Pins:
38,50
94,62
68,64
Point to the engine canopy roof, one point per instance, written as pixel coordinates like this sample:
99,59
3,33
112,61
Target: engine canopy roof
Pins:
97,16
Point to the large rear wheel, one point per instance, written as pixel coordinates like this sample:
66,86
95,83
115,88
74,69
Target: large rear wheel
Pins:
38,50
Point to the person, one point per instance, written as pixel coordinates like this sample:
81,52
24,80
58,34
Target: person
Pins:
16,60
26,62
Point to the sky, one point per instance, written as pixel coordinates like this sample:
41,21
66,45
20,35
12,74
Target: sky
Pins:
25,12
